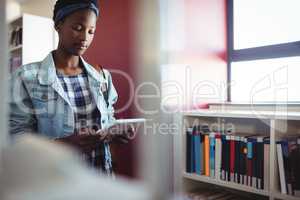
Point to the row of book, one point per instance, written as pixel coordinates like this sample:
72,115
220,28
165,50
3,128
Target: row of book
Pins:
15,61
16,36
288,157
235,158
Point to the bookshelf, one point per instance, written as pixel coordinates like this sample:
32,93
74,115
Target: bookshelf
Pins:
275,125
15,48
31,38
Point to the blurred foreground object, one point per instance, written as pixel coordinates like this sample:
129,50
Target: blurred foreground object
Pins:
35,168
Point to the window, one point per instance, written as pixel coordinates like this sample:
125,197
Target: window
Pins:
263,51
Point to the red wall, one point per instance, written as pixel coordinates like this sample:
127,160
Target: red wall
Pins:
202,54
205,39
112,48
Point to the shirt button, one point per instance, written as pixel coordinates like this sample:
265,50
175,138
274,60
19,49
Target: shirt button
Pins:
103,121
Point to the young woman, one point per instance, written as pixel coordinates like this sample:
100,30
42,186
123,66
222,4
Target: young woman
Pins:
63,97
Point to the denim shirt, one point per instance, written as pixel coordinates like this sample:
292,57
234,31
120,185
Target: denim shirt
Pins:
39,104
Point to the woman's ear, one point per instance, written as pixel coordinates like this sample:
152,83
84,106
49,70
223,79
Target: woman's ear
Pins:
58,25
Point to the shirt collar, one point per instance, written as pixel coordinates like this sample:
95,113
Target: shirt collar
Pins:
47,73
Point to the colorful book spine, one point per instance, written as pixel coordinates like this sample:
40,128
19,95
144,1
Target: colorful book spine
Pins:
223,157
197,151
206,155
266,163
254,163
249,162
189,154
260,163
227,158
295,166
212,143
202,153
237,154
218,156
243,160
240,159
232,157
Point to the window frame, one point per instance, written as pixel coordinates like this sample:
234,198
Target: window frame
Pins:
255,53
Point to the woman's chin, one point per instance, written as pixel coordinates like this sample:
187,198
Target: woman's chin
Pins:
78,52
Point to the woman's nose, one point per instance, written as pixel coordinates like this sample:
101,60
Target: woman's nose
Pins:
84,36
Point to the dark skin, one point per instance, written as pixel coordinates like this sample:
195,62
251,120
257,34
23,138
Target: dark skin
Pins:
76,33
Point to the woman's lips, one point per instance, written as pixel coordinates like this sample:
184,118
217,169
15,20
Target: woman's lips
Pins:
81,47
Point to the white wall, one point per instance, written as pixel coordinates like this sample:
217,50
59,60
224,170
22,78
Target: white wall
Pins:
38,7
13,10
42,8
37,30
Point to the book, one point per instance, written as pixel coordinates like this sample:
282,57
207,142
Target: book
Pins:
243,160
206,155
15,61
212,154
16,36
130,121
295,166
232,157
260,162
281,168
266,163
197,149
227,158
218,156
286,163
249,162
202,152
189,159
254,162
223,157
237,161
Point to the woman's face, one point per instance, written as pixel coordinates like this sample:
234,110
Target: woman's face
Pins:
76,31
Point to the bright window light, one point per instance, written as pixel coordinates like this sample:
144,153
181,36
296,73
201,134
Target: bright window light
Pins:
268,80
265,22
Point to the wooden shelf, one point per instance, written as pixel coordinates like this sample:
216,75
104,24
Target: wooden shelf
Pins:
288,115
277,125
227,184
19,47
285,197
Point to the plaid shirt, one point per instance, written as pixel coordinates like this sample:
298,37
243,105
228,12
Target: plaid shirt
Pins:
86,114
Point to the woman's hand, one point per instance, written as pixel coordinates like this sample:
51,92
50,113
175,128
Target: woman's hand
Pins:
84,142
117,133
88,140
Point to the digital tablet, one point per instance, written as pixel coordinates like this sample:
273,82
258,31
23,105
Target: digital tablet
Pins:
130,121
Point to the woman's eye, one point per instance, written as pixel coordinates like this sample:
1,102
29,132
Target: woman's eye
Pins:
77,28
91,32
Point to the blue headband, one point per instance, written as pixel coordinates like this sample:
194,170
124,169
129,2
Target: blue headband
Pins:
63,12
